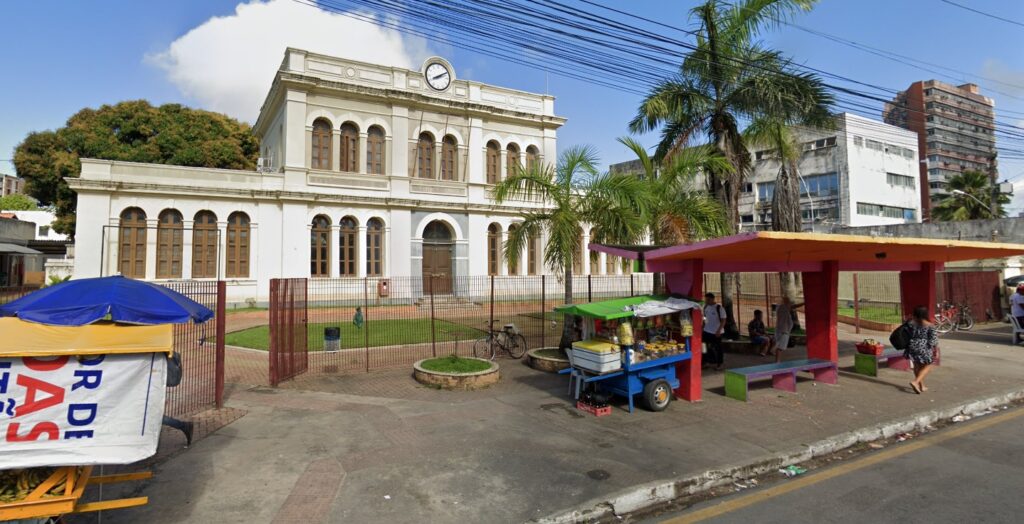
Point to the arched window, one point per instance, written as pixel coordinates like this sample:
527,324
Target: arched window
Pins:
511,160
349,147
132,242
374,247
493,162
425,156
609,264
238,245
204,245
348,243
532,158
321,145
449,158
532,251
375,151
320,247
577,263
169,235
493,249
513,264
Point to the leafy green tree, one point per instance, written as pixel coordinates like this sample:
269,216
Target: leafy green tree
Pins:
727,79
17,202
133,131
614,205
972,205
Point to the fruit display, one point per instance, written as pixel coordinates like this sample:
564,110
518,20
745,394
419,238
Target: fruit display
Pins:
16,484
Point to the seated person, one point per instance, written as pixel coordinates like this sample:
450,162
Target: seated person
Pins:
758,335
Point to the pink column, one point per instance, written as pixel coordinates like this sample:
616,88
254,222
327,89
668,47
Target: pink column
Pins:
688,280
821,300
917,288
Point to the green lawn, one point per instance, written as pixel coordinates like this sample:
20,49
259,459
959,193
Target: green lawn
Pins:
887,314
381,333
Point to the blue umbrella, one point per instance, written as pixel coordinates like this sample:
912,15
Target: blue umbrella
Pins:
80,302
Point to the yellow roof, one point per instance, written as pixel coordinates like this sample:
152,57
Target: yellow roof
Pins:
26,339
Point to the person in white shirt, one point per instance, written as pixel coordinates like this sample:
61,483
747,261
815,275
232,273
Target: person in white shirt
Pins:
714,323
1017,307
783,326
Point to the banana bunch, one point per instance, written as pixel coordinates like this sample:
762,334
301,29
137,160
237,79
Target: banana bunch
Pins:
16,484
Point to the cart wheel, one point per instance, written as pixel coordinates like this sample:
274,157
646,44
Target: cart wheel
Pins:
657,394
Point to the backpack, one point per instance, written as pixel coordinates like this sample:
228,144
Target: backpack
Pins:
900,337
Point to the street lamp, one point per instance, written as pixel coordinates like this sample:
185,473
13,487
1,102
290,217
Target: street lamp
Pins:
972,197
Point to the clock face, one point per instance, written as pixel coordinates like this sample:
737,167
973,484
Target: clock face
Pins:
438,76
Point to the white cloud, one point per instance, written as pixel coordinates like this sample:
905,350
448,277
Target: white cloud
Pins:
227,63
1006,78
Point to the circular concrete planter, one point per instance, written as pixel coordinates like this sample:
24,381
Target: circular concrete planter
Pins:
545,363
456,381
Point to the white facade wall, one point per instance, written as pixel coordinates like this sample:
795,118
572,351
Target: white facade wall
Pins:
861,153
282,200
43,220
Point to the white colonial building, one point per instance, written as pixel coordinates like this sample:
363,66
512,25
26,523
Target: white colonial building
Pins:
860,173
365,170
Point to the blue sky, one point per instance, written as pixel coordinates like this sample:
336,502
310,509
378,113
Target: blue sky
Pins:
66,55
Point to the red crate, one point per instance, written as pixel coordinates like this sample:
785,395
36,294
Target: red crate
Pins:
597,412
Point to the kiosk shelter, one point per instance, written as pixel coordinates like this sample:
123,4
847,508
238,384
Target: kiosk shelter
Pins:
818,258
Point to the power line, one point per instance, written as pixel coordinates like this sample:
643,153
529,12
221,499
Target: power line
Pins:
982,13
570,44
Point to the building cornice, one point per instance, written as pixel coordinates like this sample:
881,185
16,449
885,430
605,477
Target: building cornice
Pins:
292,80
81,185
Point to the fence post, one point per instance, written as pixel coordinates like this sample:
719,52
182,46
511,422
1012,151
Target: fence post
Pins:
433,339
221,325
274,332
632,289
856,305
490,323
366,321
543,312
767,301
590,289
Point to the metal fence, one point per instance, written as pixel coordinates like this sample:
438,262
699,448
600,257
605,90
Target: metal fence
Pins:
363,324
983,291
201,347
11,293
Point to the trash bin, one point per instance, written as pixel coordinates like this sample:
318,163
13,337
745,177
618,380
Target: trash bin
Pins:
332,338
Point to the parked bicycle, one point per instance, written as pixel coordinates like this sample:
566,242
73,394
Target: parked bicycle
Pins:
949,317
507,339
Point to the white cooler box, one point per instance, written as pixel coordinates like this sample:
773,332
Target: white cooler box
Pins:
597,355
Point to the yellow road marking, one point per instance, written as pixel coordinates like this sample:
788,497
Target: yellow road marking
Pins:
734,504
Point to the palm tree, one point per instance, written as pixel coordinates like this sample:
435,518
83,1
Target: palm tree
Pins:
680,214
729,78
614,205
972,203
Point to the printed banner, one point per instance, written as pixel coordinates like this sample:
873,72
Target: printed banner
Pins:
80,410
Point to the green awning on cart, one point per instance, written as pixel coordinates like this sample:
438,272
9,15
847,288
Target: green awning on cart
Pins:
607,309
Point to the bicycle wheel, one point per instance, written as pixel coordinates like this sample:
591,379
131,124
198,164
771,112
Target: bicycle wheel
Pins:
943,324
516,346
484,348
966,322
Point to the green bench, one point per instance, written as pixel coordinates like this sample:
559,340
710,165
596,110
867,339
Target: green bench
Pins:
783,375
866,364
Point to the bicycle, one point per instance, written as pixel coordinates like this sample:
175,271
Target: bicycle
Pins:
508,339
949,317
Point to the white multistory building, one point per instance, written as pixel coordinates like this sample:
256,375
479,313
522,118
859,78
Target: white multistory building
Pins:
365,171
860,173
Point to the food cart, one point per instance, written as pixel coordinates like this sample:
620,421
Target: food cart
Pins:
631,346
83,374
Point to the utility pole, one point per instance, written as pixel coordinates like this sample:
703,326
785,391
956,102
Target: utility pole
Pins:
993,186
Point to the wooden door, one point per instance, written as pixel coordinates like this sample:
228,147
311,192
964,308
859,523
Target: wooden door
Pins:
437,268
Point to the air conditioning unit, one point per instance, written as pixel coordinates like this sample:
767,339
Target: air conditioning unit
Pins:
265,164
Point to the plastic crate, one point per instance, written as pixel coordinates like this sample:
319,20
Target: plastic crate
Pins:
597,412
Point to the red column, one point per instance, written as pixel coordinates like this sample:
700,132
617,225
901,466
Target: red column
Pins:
689,280
917,288
821,301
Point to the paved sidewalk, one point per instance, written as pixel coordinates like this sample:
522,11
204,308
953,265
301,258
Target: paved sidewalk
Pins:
379,448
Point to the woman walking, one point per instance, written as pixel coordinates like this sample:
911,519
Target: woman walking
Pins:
923,345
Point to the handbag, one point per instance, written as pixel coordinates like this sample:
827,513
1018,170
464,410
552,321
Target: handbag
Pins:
174,370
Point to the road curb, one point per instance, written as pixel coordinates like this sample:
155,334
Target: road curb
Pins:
650,495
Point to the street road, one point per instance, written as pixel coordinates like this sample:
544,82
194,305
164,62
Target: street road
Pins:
968,472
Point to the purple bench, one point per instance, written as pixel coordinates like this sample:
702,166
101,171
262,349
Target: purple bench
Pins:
783,375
